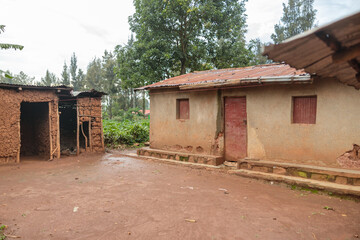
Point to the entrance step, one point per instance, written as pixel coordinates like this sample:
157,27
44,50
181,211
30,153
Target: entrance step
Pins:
180,156
303,182
322,174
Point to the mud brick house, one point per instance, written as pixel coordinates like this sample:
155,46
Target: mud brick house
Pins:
270,112
41,122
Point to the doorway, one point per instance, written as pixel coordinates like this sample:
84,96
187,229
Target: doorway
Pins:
235,128
34,130
68,125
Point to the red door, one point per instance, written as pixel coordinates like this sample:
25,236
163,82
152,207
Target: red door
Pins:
235,128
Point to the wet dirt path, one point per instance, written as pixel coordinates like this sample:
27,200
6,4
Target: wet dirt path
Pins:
119,197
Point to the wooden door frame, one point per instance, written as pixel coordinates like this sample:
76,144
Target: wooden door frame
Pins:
224,122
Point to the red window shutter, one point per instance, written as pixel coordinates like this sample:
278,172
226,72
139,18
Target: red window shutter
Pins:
304,110
183,109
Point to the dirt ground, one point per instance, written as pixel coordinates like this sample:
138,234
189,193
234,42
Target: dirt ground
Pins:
115,197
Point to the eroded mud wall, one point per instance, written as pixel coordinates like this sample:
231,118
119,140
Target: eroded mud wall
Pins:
90,111
10,102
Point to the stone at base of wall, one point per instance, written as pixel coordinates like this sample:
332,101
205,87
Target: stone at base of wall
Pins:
180,156
324,174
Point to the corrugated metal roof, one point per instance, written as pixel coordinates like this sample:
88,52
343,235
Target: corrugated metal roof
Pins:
69,90
221,77
314,50
11,85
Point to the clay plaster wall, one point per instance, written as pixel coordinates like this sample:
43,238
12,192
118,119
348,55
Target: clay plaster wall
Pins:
196,134
273,136
271,133
10,102
90,111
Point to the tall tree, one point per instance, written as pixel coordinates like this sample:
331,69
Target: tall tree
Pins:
73,68
65,77
256,48
49,79
80,80
298,16
110,81
179,36
94,75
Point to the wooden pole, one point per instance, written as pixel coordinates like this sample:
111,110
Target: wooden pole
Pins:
19,146
58,152
51,147
102,132
77,129
90,120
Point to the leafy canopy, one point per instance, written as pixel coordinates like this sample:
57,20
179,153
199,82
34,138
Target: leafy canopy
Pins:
298,16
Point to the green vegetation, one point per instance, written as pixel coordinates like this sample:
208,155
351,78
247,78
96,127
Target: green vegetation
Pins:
2,235
298,16
127,128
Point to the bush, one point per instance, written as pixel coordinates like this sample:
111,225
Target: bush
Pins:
126,131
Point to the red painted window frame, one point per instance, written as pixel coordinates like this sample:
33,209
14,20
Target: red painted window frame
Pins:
304,109
183,108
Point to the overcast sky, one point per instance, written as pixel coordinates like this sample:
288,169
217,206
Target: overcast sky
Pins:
52,30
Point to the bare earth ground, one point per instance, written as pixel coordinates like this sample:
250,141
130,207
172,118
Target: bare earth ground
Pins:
125,198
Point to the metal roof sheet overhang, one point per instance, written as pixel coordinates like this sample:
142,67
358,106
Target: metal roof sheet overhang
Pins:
331,51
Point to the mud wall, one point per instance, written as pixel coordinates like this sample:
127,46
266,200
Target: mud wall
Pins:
194,135
273,136
90,111
270,132
10,102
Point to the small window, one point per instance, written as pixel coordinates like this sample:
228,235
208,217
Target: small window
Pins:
182,109
304,109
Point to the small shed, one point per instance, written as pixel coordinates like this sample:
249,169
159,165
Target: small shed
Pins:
41,122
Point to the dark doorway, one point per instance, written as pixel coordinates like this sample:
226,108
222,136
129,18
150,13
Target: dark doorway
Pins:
235,128
34,130
67,110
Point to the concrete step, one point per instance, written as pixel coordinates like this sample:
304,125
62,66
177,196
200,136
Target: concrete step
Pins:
324,174
310,183
181,156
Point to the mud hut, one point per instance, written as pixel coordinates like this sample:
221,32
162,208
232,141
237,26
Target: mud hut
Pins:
41,122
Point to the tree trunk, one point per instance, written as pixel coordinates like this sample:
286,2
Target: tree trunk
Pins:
183,69
110,107
143,103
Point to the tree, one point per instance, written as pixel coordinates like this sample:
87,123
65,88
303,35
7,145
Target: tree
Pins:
110,81
80,80
49,80
178,36
9,45
298,16
5,74
23,78
73,68
94,75
256,46
65,78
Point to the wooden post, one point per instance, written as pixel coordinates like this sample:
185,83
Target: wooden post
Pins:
58,152
77,129
102,132
90,120
19,146
51,147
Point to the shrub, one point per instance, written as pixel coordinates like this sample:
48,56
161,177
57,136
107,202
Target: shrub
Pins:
126,131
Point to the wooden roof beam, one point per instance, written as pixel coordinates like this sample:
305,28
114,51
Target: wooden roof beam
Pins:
346,54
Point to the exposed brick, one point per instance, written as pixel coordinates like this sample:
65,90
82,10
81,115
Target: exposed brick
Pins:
341,180
320,177
260,169
279,170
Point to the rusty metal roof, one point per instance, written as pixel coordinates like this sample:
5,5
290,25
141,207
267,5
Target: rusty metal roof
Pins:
233,76
329,51
35,87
